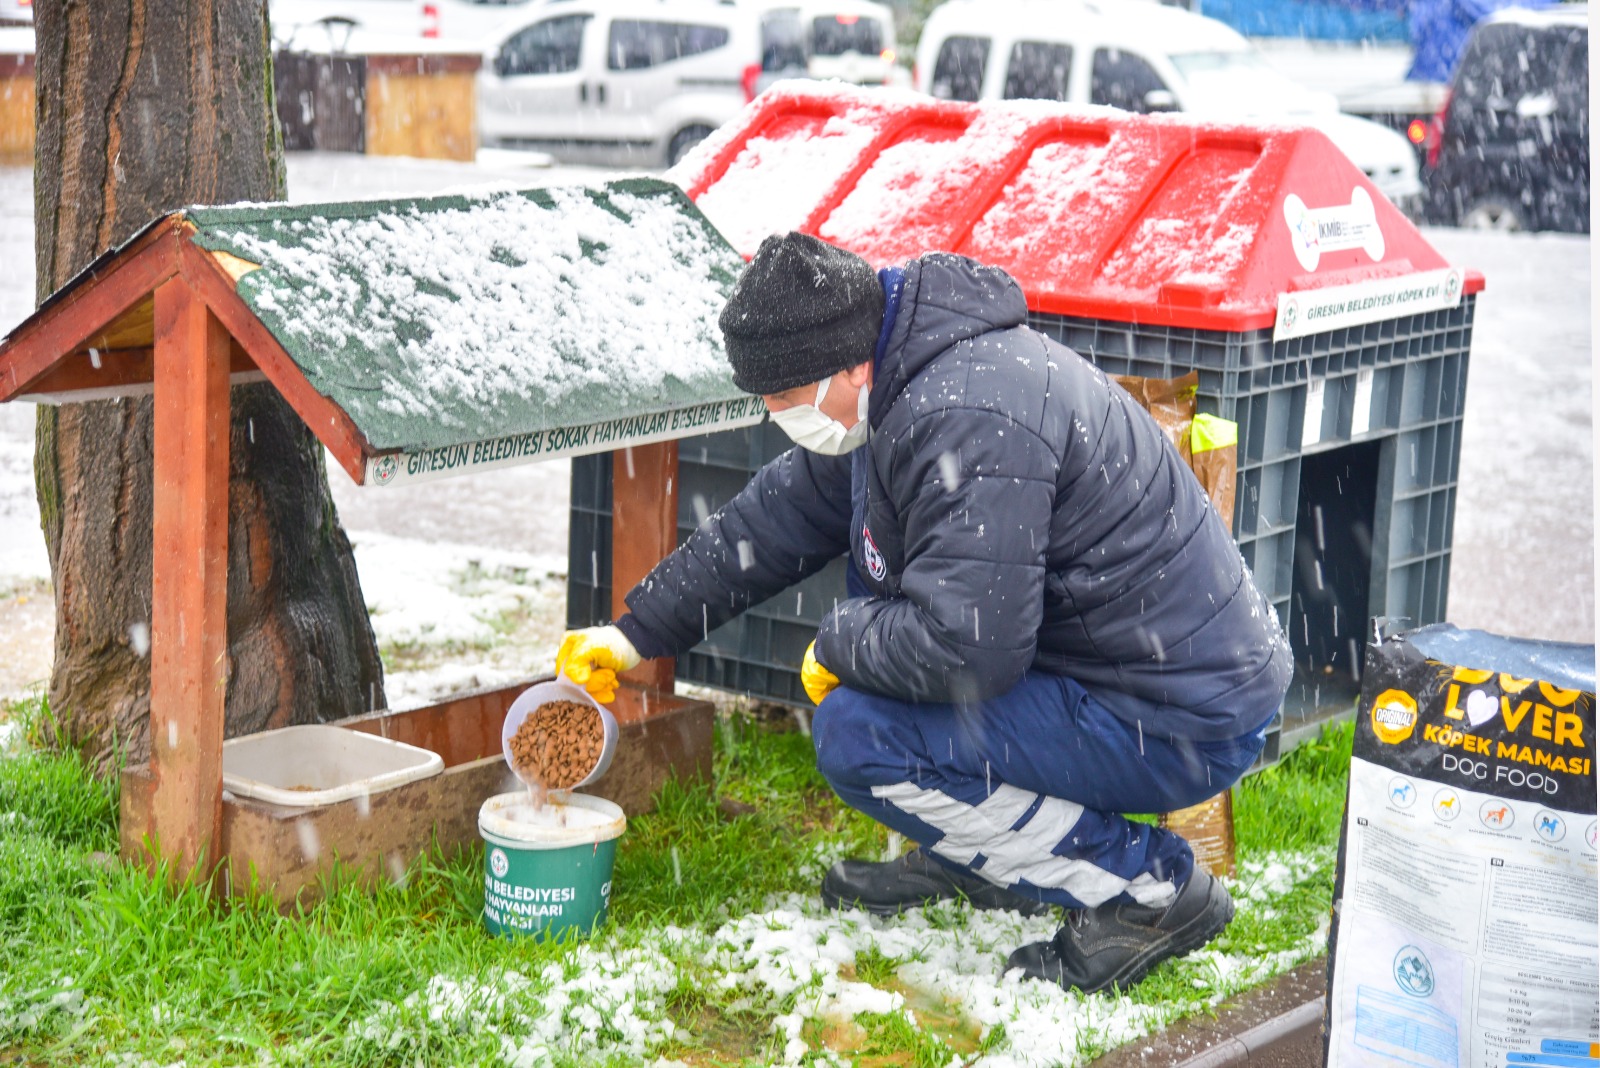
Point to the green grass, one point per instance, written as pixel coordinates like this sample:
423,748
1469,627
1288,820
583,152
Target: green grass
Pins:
1299,800
97,960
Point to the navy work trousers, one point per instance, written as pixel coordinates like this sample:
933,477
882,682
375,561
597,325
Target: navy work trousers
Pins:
1027,789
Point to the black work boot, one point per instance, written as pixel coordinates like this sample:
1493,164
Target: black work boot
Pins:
1115,944
912,880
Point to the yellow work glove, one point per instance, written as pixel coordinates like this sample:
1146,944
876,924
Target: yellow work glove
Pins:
593,656
818,680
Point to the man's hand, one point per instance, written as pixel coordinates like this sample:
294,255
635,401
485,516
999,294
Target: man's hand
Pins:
593,656
818,680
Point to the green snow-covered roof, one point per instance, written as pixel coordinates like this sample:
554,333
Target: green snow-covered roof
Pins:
437,322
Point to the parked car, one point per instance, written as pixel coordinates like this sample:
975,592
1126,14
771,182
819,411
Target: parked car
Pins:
848,40
1511,147
620,81
1139,56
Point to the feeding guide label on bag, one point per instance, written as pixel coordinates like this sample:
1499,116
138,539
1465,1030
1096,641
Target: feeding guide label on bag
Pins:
1467,916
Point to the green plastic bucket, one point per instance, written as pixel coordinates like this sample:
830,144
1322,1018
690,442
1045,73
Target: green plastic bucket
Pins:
542,878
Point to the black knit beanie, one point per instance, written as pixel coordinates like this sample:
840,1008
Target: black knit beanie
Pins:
803,311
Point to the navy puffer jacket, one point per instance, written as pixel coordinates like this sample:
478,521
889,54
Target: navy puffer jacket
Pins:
1013,509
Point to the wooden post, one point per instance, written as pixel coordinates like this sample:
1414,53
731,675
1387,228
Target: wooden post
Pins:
644,529
189,580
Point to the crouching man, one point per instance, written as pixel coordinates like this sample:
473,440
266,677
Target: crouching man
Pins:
1047,625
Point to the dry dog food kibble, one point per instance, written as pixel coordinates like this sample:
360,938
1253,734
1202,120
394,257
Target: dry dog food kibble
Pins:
558,744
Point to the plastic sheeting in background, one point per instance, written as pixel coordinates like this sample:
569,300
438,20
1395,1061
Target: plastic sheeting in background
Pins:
1436,29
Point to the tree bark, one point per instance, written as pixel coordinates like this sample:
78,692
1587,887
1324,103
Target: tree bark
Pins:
145,106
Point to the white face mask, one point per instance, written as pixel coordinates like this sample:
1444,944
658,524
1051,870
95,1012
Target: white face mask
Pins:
809,428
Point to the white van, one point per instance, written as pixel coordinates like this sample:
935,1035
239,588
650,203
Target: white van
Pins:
848,40
619,81
1141,56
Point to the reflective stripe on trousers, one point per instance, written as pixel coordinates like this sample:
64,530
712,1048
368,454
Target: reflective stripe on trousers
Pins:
1026,789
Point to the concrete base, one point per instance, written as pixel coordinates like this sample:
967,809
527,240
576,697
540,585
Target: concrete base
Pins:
285,851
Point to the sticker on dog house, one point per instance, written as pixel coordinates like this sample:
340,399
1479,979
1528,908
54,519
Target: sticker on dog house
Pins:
1336,307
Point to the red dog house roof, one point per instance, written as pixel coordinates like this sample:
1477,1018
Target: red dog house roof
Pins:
1097,213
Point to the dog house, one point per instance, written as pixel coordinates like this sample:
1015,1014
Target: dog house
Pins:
1316,315
417,339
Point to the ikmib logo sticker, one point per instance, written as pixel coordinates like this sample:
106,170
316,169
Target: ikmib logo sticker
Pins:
873,558
1316,231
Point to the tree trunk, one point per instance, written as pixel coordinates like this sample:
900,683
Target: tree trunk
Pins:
145,106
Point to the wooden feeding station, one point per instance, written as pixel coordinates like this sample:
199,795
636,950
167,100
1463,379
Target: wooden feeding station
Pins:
417,338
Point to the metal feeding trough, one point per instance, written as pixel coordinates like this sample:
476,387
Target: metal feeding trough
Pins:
490,362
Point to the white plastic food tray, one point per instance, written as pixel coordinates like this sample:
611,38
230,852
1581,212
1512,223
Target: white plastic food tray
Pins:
319,765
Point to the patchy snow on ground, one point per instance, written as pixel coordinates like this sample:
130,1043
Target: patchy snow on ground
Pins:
11,740
450,618
25,1009
794,963
600,1003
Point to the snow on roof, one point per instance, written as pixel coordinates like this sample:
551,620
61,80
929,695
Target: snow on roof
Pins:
1559,15
443,320
924,173
782,172
1162,218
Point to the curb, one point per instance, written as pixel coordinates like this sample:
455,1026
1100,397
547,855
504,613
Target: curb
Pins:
1296,1023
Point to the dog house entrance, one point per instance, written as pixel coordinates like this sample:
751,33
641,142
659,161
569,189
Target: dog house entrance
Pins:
1327,621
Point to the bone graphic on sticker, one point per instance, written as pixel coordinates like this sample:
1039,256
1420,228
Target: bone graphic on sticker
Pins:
1481,708
1316,231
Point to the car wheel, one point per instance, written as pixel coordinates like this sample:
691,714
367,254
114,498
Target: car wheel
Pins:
1491,214
683,141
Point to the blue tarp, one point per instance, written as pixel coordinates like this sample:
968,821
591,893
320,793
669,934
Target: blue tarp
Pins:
1437,29
1316,20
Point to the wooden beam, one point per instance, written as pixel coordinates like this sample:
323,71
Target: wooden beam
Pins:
91,302
326,419
644,529
189,580
133,329
121,372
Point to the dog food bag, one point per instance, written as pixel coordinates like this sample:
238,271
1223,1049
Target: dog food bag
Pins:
1465,918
